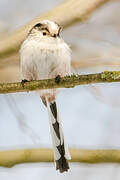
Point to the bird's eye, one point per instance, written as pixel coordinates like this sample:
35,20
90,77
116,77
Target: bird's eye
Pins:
44,33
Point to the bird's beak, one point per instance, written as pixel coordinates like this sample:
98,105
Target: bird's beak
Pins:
56,33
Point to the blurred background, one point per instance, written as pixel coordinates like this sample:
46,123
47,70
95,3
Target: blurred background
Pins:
90,114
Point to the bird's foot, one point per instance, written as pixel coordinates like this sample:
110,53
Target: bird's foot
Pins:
57,79
23,82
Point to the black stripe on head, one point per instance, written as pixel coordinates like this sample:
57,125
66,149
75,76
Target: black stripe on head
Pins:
38,25
41,27
60,28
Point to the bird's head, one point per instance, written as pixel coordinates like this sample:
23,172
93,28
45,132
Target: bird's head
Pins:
46,28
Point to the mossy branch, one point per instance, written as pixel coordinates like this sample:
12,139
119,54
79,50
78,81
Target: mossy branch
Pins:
65,82
13,157
67,13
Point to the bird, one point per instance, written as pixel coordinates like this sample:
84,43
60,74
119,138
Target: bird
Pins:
44,55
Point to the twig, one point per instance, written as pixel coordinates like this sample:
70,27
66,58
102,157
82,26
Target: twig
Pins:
67,13
65,82
13,157
94,63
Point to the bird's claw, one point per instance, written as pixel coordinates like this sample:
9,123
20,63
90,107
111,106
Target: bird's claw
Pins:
57,79
23,82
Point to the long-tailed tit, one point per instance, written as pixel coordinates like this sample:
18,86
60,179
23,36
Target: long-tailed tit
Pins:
45,55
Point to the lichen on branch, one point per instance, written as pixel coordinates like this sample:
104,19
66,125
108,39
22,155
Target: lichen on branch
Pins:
64,82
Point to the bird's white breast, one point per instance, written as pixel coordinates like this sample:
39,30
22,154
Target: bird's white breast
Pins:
44,59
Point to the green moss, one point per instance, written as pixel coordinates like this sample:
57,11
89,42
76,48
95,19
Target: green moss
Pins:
110,75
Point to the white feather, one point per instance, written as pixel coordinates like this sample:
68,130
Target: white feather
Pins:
55,140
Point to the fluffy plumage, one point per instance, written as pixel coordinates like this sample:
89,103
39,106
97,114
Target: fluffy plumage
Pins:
45,55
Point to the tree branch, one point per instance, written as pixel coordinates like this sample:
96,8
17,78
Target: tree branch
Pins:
94,63
13,157
67,13
65,82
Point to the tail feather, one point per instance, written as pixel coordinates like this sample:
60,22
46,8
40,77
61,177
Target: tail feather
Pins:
62,163
61,153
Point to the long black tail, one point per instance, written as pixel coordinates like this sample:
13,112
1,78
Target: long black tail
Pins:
61,153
